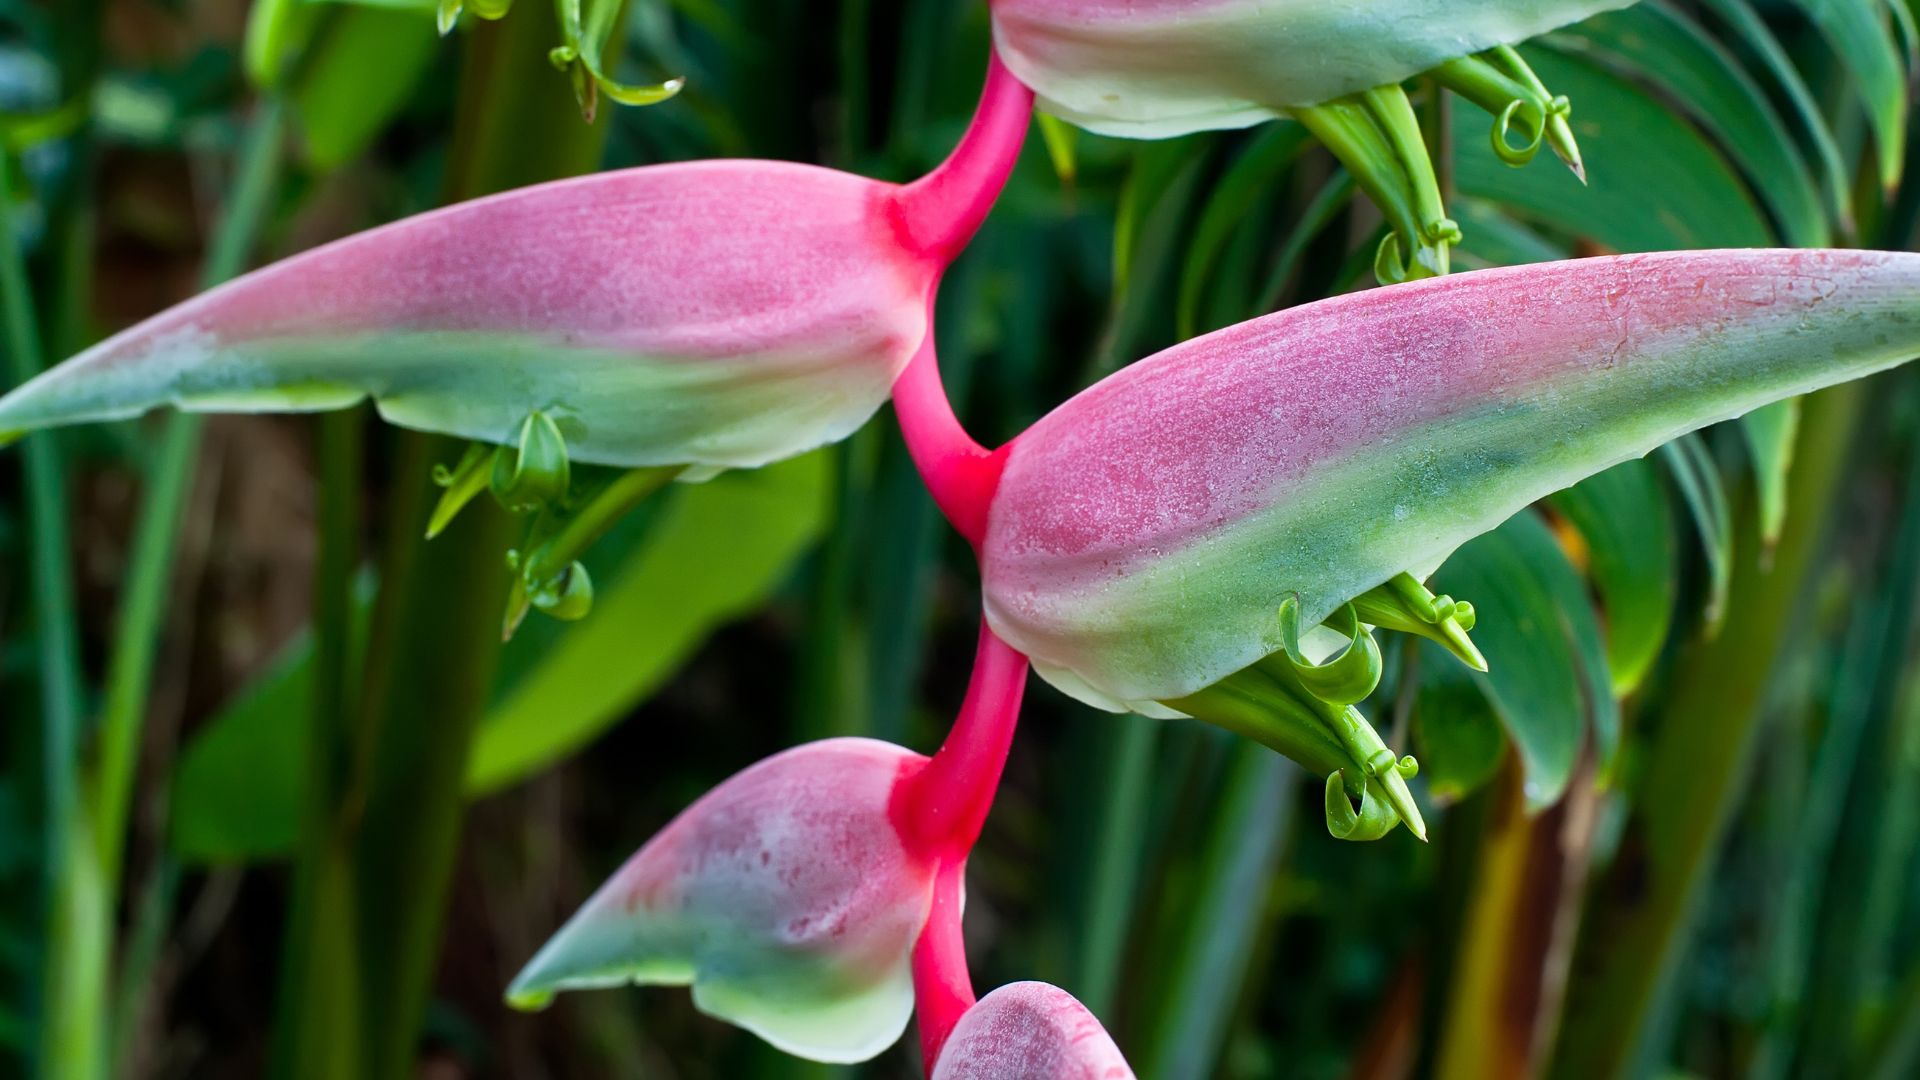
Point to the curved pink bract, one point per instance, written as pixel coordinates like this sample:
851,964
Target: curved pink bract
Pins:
1030,1031
721,313
1143,533
1160,68
787,897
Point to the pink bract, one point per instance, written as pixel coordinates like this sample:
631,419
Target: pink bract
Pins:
723,313
786,897
1143,534
1030,1031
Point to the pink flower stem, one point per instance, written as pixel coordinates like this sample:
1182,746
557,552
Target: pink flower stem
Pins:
959,472
939,212
941,812
942,988
944,806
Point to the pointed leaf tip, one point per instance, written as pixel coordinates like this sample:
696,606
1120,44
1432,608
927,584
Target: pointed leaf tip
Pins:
784,897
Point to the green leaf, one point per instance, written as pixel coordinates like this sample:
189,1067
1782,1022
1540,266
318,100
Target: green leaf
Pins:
1654,183
1456,734
712,555
1252,175
1740,18
1659,46
1770,431
236,789
1516,576
1857,30
1697,479
1624,516
359,74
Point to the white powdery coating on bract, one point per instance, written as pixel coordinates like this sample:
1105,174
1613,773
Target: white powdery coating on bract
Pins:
1030,1031
1144,533
784,896
1159,68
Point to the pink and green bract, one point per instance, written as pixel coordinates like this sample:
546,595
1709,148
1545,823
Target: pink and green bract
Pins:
1159,68
1140,537
813,898
1030,1029
721,313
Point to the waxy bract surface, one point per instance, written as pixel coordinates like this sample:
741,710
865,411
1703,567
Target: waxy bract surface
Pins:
1159,68
1030,1030
784,897
1144,533
712,313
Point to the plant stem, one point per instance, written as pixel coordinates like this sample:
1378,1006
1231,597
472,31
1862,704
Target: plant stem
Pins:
69,1044
941,810
383,827
150,564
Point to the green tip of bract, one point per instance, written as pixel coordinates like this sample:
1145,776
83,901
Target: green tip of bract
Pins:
529,1000
535,472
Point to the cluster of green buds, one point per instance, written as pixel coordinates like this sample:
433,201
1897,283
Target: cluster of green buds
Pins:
1307,708
579,56
566,511
1377,136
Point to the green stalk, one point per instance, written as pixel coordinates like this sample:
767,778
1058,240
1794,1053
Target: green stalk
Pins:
150,565
1637,928
1244,844
387,798
69,1046
1113,879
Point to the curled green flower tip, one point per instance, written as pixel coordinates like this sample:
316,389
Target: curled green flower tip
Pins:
1429,260
562,57
1502,83
535,473
1372,821
1503,149
446,15
1348,676
567,596
1405,605
463,482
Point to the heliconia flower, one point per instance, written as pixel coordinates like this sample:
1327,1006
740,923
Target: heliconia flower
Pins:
1159,541
721,314
1030,1031
792,897
1159,68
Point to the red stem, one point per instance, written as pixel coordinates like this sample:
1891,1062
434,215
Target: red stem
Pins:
939,212
946,803
942,988
941,810
943,807
959,472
